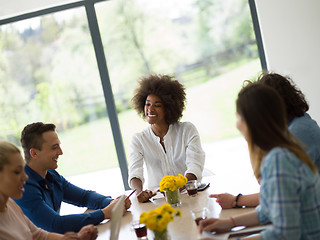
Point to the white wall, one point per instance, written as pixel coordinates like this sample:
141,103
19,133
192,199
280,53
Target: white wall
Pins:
291,37
13,8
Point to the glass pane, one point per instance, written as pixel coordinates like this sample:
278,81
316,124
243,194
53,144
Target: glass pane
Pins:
49,73
209,46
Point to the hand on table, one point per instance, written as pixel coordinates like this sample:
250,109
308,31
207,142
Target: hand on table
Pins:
145,195
108,209
225,200
88,232
215,225
70,236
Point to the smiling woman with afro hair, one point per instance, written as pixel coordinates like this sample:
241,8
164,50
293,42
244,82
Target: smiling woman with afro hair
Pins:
170,91
167,146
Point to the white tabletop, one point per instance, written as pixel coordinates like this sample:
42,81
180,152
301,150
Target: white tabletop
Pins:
182,228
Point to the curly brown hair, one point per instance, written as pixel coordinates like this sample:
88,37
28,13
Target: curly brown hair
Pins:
294,99
263,111
168,89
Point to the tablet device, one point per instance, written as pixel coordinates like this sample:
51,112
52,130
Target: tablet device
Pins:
116,216
203,186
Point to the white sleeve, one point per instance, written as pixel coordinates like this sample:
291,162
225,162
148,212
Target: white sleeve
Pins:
195,156
136,159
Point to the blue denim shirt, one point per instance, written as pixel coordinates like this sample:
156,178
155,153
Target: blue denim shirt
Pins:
308,132
42,199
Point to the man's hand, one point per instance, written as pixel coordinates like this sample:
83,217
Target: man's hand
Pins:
108,209
127,205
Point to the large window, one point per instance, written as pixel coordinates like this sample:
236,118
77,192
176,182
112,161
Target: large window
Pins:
209,46
49,72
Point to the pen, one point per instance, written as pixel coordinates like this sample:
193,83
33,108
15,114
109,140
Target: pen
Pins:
131,193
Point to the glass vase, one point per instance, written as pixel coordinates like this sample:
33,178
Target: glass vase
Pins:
161,235
173,197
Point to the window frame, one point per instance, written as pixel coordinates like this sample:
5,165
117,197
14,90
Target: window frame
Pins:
103,69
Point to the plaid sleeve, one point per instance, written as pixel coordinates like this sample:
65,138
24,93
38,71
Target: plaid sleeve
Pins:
280,196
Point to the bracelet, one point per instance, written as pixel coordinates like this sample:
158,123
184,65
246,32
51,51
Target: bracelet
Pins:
233,221
237,198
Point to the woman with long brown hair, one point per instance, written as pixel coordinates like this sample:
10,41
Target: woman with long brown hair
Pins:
290,182
300,124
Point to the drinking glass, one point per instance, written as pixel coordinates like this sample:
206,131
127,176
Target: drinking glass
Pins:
199,214
140,230
192,188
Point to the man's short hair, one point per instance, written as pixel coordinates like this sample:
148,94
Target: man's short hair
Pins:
31,137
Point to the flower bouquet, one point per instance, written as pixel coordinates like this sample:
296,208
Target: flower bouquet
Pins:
170,185
157,220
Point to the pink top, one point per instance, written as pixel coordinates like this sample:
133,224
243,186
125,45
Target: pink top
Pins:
14,225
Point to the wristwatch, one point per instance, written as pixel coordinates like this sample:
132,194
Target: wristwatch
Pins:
237,198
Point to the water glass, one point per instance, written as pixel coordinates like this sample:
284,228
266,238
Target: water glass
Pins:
199,214
140,230
192,188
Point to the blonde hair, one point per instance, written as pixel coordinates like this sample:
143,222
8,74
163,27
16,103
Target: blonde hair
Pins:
6,149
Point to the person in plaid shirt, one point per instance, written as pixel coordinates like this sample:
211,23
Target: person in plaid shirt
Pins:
290,182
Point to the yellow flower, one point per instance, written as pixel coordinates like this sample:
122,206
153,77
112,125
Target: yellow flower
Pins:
158,219
172,183
178,213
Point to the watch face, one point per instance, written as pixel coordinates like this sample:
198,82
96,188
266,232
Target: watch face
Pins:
203,186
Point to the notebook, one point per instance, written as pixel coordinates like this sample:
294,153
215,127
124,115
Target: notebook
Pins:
116,216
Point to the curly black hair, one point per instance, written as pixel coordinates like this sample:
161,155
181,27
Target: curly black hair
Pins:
168,89
294,99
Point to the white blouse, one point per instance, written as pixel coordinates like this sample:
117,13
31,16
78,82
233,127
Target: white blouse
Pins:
183,154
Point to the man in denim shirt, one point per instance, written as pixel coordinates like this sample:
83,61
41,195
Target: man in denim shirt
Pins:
46,189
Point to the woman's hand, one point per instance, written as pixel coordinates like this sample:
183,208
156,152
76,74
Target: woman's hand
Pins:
225,200
145,195
88,232
69,236
216,225
142,195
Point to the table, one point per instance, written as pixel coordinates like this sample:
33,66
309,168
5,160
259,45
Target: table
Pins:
183,228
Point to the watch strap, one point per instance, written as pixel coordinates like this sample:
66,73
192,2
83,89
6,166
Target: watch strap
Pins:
237,198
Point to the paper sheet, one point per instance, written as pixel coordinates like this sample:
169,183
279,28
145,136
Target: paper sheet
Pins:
244,232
